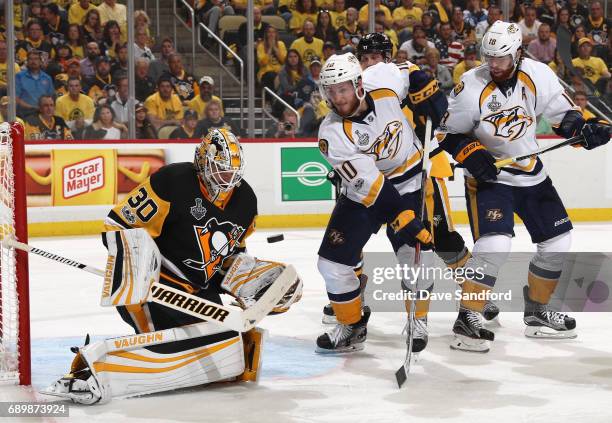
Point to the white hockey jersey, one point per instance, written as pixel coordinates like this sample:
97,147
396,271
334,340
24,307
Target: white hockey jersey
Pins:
367,149
389,75
505,123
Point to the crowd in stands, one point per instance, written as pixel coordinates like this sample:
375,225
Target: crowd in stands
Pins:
72,58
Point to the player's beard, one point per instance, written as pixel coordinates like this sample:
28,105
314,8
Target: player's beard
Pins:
502,76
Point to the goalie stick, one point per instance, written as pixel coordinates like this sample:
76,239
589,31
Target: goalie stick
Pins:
402,373
228,317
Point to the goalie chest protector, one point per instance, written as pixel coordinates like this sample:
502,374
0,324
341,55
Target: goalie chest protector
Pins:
192,233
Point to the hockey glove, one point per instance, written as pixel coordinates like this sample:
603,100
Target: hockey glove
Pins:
409,228
426,97
596,132
478,161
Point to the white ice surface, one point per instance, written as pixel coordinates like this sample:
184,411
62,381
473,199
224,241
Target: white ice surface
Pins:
520,380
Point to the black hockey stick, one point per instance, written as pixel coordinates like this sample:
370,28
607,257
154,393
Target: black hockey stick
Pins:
402,373
505,162
570,141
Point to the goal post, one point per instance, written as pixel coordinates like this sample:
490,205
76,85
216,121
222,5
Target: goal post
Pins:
14,286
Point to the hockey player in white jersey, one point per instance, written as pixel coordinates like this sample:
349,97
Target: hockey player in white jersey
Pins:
492,115
419,97
371,145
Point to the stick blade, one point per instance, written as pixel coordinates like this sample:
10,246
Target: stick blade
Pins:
401,375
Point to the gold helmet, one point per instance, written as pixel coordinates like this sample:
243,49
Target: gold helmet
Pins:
219,161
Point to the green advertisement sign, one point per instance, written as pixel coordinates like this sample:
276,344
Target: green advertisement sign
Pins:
303,174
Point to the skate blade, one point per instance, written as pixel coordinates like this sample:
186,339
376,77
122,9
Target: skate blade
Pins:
543,332
343,350
329,320
77,397
465,343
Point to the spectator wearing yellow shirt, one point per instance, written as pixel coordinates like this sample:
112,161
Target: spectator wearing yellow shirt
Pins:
75,108
164,107
308,45
304,10
338,14
78,10
271,55
442,11
580,99
3,51
470,61
592,68
110,10
404,19
198,103
365,10
266,6
75,40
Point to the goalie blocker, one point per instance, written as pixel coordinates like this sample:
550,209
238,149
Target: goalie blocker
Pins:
189,355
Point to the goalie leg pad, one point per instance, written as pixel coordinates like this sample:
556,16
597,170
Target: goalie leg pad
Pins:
126,366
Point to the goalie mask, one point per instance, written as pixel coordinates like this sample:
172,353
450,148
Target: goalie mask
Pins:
219,161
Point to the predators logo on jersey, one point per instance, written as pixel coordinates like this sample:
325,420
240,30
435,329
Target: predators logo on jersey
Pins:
510,123
388,143
216,241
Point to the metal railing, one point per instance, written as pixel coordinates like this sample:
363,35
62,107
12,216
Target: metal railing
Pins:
224,47
570,89
190,29
265,112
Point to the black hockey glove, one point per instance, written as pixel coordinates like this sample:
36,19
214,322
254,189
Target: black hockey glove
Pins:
596,132
478,161
409,229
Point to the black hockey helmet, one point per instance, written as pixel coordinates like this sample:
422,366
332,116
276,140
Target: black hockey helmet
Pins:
375,42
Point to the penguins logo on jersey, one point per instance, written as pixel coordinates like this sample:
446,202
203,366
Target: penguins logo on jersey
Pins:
216,241
510,123
388,143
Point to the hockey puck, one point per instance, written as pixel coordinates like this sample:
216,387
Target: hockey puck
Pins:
276,238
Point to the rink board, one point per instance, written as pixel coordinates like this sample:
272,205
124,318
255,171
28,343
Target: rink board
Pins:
288,177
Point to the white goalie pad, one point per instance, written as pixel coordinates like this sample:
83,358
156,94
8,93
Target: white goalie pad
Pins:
133,265
153,362
248,278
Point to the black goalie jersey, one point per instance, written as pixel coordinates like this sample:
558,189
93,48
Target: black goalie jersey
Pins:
194,235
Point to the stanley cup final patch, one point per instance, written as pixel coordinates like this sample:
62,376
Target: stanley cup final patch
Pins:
198,211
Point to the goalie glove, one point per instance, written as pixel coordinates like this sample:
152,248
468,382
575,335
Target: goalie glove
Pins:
248,278
596,132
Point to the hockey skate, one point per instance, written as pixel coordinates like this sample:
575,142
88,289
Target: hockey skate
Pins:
329,317
545,323
469,333
79,385
344,338
419,336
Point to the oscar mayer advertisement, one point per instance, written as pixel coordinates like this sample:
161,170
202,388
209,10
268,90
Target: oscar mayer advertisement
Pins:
87,177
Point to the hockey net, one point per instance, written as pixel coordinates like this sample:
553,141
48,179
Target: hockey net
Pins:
14,309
